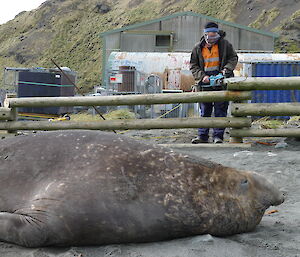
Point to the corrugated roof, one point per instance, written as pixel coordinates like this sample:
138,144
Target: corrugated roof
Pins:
134,26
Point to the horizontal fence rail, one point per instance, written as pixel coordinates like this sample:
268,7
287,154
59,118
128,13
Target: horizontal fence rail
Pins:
284,132
263,83
214,96
265,109
129,124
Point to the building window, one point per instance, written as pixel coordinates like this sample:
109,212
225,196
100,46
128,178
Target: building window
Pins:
163,40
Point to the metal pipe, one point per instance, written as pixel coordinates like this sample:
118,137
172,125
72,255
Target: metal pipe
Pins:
147,99
129,124
265,109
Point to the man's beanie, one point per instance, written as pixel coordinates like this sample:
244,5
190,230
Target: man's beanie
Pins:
211,27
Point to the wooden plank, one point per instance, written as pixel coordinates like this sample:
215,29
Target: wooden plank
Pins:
263,83
224,145
130,124
285,132
265,109
147,99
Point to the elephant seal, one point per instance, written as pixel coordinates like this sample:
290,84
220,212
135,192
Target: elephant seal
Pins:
80,188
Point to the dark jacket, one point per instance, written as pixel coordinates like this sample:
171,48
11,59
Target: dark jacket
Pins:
228,57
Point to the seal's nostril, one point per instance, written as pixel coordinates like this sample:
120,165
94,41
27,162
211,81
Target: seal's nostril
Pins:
279,200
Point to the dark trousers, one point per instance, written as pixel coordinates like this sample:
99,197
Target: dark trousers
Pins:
220,110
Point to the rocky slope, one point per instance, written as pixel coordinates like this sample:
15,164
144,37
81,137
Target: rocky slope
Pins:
68,30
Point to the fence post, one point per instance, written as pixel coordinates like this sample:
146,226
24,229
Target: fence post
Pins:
232,139
14,113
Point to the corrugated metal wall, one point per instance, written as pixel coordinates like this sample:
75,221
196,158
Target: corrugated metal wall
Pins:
139,42
254,41
112,42
274,69
232,35
277,69
188,31
134,42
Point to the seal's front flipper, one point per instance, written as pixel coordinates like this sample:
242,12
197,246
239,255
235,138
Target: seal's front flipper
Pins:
22,230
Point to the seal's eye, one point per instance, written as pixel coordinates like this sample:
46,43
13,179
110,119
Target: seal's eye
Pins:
244,186
244,182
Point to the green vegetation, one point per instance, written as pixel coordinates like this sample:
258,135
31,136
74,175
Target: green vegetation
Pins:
85,117
120,115
265,18
289,41
268,123
294,119
223,10
113,115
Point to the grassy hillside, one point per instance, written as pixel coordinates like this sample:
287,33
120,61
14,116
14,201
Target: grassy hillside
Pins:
68,30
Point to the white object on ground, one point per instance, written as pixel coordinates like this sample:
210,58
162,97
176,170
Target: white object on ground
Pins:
242,154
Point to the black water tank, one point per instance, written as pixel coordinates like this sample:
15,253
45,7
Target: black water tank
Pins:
45,84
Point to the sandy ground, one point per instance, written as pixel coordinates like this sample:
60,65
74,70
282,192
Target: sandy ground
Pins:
278,234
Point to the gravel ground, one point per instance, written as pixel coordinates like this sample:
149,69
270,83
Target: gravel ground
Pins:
278,234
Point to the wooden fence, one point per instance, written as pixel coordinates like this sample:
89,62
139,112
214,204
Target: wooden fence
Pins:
238,91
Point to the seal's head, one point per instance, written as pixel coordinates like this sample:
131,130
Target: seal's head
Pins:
241,199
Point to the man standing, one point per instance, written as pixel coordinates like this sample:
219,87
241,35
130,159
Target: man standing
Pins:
211,56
